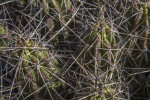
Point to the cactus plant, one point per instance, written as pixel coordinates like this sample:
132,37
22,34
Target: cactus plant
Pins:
100,44
39,68
74,49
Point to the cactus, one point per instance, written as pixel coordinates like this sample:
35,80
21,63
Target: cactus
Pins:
139,44
38,66
2,34
100,40
102,47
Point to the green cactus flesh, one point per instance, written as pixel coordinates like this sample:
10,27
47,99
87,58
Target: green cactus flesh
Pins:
39,67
